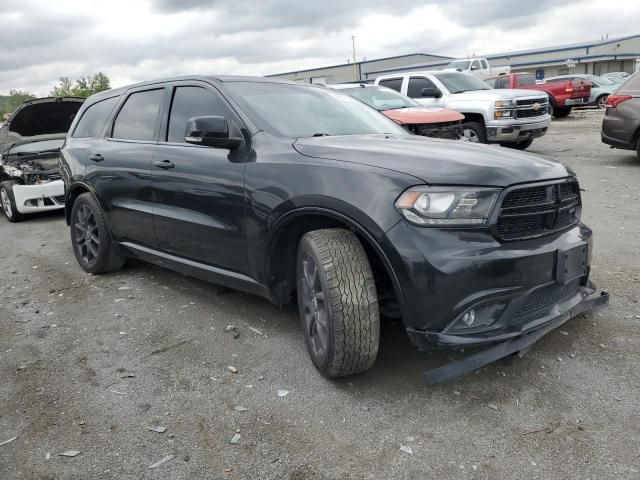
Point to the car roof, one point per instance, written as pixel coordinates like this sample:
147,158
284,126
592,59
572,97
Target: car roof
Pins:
341,86
206,78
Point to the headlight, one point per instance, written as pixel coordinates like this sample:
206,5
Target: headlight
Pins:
453,206
504,104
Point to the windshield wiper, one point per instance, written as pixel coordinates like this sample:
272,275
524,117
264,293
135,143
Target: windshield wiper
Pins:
35,154
320,135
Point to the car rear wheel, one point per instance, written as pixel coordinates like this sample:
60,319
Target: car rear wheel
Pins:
561,112
474,132
91,239
8,202
601,102
337,302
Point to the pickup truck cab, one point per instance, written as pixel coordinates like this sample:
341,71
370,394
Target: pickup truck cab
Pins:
563,94
512,118
478,67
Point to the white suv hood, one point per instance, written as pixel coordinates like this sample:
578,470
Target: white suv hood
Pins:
492,95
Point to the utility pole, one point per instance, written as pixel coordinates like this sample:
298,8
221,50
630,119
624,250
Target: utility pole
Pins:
355,67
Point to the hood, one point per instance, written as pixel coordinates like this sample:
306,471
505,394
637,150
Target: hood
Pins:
418,115
43,116
436,161
492,95
36,143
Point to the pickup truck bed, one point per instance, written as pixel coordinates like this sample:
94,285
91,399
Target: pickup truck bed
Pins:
563,95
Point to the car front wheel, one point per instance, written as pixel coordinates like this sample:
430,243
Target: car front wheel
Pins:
474,132
8,202
337,302
91,239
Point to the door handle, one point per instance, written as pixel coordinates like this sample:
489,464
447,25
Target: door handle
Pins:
164,164
96,157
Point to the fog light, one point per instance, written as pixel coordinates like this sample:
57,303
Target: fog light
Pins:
469,317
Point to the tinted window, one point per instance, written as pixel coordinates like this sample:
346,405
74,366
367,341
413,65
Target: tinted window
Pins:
502,82
94,117
191,102
526,80
485,64
416,84
137,118
393,83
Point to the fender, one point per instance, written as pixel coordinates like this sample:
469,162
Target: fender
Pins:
75,186
354,225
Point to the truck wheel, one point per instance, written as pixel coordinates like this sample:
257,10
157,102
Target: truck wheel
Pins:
8,202
601,102
519,146
337,302
561,112
91,239
474,132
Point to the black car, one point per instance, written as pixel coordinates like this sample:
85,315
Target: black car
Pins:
621,124
281,189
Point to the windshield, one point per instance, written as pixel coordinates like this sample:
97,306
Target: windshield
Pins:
295,111
461,64
600,80
36,147
381,98
461,82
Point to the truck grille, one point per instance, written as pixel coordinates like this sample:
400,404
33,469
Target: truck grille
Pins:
531,107
528,212
539,303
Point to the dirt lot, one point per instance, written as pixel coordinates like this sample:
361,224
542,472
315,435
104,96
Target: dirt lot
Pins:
91,363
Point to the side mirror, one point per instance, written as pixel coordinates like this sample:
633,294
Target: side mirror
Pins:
474,68
431,92
212,131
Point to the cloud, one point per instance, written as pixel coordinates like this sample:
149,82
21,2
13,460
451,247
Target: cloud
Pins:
134,40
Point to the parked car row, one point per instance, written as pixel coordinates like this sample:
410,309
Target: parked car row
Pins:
300,192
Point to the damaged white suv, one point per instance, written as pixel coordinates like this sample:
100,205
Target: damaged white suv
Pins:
30,143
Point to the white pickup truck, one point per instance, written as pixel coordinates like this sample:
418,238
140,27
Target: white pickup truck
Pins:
478,67
512,118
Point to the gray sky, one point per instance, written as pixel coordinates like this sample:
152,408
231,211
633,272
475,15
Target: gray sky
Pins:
132,40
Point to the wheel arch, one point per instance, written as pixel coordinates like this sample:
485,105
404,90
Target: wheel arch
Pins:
282,244
473,117
72,193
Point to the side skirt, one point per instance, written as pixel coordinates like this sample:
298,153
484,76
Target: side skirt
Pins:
219,276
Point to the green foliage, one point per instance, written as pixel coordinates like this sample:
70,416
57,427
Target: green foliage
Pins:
8,103
82,87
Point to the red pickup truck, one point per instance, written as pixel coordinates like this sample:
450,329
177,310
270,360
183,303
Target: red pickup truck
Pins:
563,96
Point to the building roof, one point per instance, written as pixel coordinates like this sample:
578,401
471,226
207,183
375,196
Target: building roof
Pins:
363,62
518,53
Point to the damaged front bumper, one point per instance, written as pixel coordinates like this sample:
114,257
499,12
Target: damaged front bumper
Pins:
517,342
42,197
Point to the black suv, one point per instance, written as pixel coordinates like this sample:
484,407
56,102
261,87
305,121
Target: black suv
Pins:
280,189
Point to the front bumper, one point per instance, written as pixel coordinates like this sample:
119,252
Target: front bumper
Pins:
519,344
39,198
515,289
502,131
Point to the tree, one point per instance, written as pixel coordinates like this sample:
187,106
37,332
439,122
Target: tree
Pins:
82,87
9,103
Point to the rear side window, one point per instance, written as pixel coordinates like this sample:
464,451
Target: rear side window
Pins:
138,116
485,65
502,82
191,102
631,86
393,83
526,80
93,118
416,84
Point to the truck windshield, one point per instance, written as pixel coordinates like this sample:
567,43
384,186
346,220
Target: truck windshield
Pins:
461,64
461,82
295,111
381,98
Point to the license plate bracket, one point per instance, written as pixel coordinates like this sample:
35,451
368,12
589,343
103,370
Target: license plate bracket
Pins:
571,264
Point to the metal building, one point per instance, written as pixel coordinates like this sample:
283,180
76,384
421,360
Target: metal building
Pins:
620,54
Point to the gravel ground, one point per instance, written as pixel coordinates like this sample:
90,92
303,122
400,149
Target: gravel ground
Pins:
91,363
